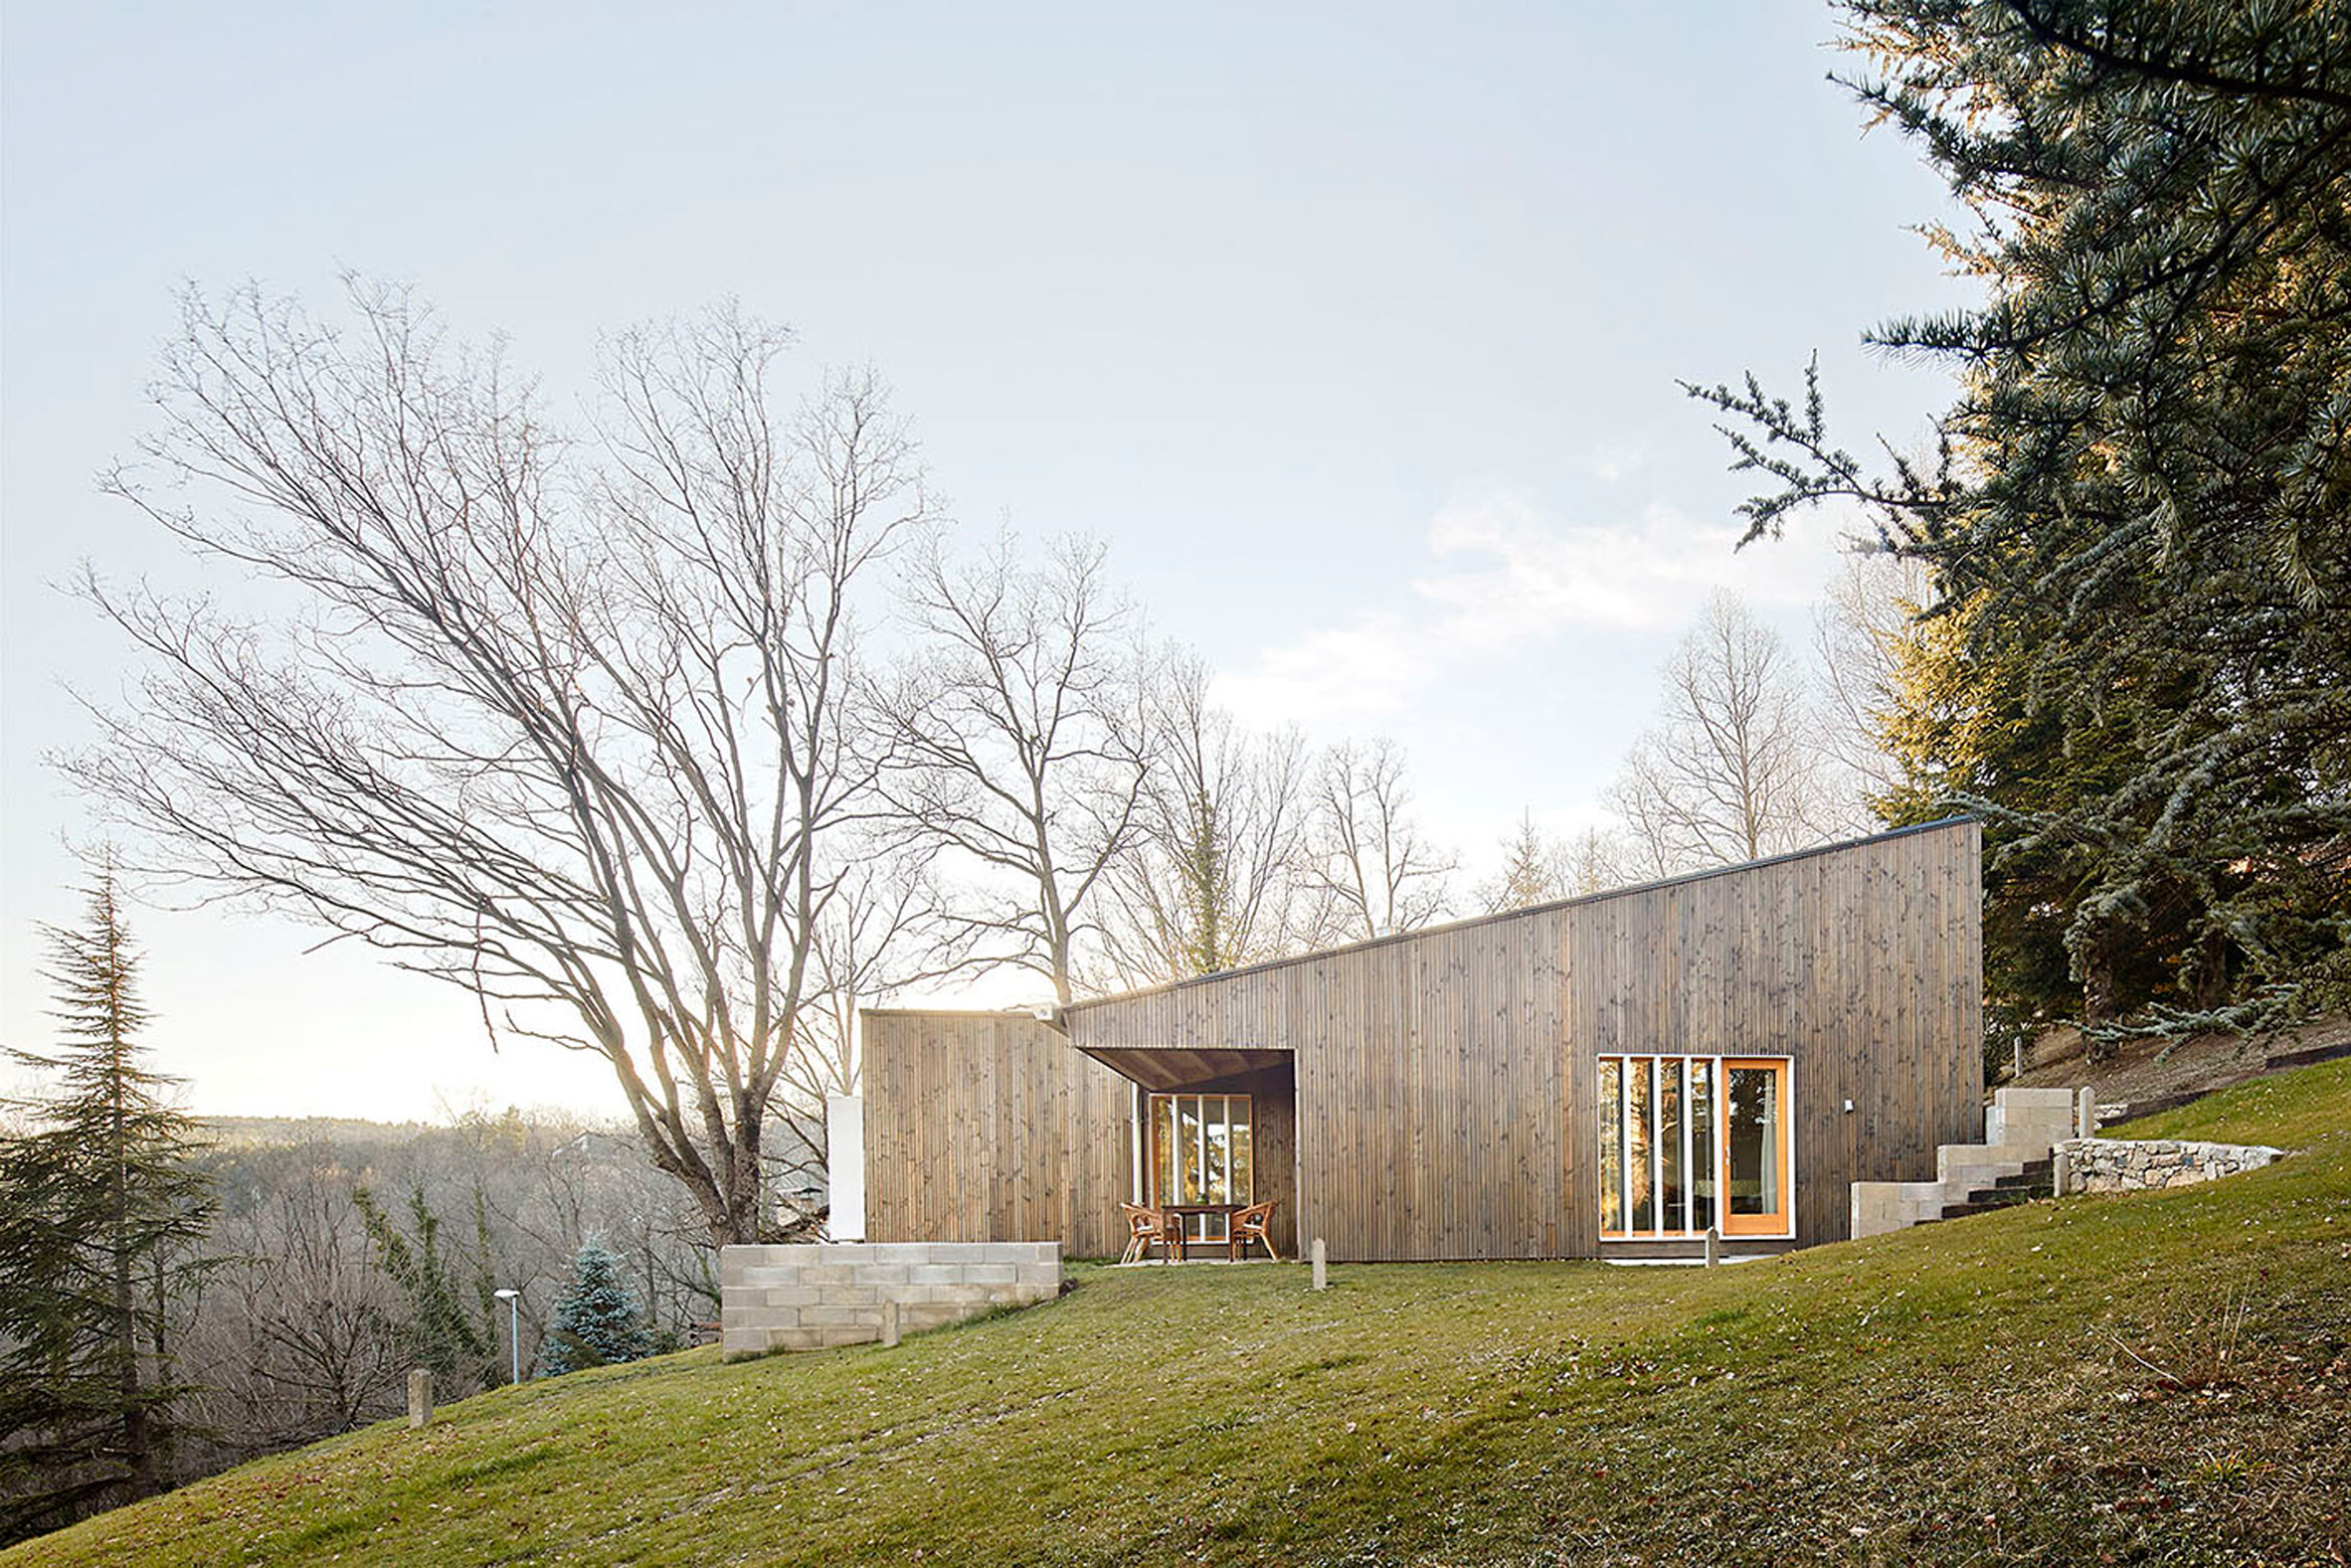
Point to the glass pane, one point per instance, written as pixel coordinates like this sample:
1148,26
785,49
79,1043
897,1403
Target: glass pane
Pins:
1163,1145
1702,1145
1244,1175
1640,1125
1187,1148
1671,1187
1611,1146
1753,1106
1216,1174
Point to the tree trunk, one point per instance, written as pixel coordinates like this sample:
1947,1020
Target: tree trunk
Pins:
2097,1001
138,1445
2211,977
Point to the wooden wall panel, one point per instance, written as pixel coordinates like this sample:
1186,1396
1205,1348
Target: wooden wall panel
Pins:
987,1126
1446,1078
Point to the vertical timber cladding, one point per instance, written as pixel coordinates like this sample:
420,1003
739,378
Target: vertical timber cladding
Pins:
1428,1082
1862,963
987,1126
1446,1079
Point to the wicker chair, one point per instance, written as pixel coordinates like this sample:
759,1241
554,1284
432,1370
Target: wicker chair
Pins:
1249,1225
1144,1227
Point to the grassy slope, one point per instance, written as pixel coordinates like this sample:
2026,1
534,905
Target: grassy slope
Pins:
2163,1377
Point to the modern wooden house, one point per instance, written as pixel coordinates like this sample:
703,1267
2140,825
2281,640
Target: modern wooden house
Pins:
1607,1076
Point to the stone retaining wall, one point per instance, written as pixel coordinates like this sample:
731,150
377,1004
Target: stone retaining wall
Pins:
2113,1164
806,1298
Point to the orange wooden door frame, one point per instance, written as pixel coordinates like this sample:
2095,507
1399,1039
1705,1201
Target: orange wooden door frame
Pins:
1776,1222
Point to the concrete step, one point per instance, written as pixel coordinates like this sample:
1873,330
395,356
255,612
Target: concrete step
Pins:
2023,1193
2006,1194
2011,1166
2030,1115
1979,1162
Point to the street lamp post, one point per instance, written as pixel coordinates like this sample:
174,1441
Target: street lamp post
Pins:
514,1300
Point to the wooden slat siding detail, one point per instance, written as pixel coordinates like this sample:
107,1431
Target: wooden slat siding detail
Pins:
1446,1078
987,1126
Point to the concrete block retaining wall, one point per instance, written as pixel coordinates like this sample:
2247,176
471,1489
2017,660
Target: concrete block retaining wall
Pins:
807,1298
2113,1164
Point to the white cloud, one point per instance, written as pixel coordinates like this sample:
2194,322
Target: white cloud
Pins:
1547,576
1505,574
1368,668
1611,461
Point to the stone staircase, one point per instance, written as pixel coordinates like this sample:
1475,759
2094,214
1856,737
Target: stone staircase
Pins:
2011,1166
2034,1182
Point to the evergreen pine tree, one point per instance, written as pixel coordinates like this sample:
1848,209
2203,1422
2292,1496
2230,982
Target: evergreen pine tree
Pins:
101,1216
2140,525
598,1322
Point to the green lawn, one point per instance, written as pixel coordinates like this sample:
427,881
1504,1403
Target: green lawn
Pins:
2163,1377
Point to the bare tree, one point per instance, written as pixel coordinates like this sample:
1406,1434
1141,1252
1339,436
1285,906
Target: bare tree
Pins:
1539,868
1543,868
1216,876
1731,769
884,931
560,722
1368,860
1866,618
1017,741
1534,870
297,1338
1597,861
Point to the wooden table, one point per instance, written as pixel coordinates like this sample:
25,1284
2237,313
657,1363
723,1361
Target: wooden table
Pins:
1182,1245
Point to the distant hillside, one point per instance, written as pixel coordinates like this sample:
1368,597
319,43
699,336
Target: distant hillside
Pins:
306,1129
2159,1378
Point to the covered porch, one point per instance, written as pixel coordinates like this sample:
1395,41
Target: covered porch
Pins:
1211,1132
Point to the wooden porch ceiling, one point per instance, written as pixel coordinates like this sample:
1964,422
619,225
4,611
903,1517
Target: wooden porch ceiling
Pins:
1164,1071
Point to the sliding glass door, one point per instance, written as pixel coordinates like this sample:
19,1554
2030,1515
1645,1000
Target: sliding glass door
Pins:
1201,1152
1693,1142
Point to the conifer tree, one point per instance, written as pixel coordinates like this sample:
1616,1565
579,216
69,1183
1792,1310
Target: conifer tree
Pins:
598,1322
2140,523
452,1325
1534,870
102,1213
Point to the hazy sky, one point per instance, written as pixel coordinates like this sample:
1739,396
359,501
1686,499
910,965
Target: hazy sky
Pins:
1354,329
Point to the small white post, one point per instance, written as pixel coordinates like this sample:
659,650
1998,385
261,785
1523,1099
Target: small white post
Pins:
2060,1172
420,1397
1320,1262
2086,1114
889,1321
1714,1247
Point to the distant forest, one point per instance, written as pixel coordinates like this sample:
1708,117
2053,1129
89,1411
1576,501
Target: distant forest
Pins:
302,1332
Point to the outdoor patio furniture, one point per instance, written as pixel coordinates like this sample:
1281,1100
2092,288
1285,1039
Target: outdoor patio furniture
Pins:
1179,1229
1144,1227
1249,1225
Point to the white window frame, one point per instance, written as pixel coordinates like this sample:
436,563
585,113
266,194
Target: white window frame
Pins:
1717,1113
